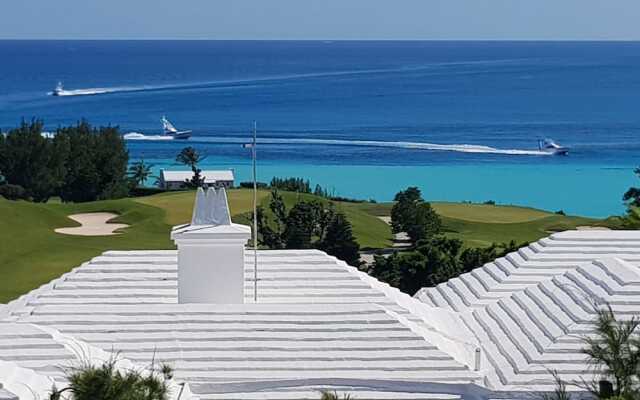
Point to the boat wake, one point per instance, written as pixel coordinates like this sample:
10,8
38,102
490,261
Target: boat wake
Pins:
249,82
94,91
461,148
140,136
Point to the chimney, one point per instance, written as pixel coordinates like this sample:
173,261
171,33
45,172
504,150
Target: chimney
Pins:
211,252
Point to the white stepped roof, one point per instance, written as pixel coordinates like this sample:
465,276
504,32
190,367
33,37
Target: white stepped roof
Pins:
320,324
210,176
530,310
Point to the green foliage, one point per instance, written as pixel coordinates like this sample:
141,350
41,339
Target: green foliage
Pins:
614,352
13,192
307,225
328,395
190,157
249,185
291,184
106,382
140,172
411,214
632,219
632,198
433,261
560,392
29,160
96,163
340,242
300,226
80,163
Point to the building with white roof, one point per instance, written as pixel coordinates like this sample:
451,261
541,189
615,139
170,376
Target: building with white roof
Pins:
175,180
319,323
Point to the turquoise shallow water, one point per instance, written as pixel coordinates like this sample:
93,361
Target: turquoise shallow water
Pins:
570,189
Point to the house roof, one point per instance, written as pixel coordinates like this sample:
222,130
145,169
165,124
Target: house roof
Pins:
210,176
320,323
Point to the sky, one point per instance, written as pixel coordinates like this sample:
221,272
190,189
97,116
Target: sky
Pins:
321,19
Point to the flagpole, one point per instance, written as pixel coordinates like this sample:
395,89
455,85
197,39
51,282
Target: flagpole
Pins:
255,217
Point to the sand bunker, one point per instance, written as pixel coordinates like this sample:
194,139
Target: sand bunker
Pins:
93,224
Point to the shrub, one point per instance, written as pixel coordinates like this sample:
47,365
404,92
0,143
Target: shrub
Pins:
328,395
614,352
107,382
13,192
249,185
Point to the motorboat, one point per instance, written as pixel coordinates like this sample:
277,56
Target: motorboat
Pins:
551,147
170,130
58,90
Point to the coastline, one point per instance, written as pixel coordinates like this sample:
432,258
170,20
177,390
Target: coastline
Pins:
546,187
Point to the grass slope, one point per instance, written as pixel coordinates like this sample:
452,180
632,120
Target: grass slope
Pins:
32,254
482,224
370,231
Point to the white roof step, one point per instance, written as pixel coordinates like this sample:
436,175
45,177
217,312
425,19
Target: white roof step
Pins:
429,374
437,298
314,394
185,366
532,331
282,345
508,350
454,301
462,291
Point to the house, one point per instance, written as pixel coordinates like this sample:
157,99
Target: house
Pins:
174,180
317,323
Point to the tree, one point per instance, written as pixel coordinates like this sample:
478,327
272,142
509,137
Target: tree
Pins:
29,160
190,157
403,211
411,214
300,226
614,352
139,172
340,242
424,223
432,262
96,162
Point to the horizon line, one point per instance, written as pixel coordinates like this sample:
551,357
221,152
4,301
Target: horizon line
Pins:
559,40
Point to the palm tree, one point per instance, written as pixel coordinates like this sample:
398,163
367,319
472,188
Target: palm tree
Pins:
139,172
614,351
190,157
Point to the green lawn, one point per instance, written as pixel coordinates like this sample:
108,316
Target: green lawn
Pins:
370,231
483,224
32,254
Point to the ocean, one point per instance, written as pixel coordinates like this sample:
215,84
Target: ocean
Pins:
460,120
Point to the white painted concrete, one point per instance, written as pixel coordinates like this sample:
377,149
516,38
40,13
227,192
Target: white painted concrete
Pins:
322,324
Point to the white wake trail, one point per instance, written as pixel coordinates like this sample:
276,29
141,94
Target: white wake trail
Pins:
140,136
461,148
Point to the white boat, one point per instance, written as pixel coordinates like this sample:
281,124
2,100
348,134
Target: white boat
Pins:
170,130
551,147
58,90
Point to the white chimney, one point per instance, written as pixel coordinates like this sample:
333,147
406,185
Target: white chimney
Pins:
211,252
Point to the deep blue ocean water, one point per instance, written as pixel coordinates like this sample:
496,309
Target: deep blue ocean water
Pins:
315,102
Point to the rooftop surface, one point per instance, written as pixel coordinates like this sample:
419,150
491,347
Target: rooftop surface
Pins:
211,176
320,323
